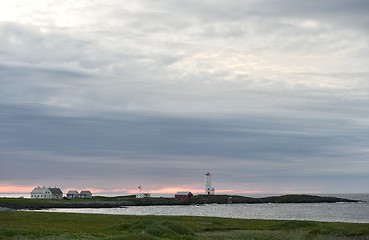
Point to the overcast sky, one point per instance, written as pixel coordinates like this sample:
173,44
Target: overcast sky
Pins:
270,96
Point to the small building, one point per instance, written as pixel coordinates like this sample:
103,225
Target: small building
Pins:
85,194
41,192
183,195
72,194
56,193
143,195
47,193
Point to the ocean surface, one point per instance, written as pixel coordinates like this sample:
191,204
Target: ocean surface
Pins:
327,212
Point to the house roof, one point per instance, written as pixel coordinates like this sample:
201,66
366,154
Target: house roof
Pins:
39,190
183,193
72,192
85,192
56,191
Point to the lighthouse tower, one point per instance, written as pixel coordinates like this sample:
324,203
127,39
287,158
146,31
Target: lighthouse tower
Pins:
208,189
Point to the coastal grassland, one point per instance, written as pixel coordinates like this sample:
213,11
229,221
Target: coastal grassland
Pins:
95,202
41,225
119,201
131,200
34,201
29,203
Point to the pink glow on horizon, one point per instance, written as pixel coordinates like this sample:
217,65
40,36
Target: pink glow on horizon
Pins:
11,188
99,191
15,188
166,190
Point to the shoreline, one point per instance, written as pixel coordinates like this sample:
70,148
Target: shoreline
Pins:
125,201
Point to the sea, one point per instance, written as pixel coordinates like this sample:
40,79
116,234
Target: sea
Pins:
325,212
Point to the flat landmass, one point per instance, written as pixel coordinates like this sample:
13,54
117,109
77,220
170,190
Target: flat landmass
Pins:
58,226
122,201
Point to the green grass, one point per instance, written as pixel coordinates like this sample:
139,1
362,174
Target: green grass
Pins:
28,203
39,225
33,201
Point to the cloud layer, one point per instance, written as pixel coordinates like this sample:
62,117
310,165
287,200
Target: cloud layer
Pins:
269,95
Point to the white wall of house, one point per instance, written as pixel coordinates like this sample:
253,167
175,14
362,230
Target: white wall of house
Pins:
73,194
41,192
143,195
85,194
46,193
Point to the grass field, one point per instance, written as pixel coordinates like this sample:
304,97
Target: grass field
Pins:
39,225
34,203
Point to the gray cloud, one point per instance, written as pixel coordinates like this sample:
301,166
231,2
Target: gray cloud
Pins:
351,12
169,147
261,92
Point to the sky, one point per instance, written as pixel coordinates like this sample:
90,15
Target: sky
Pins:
269,96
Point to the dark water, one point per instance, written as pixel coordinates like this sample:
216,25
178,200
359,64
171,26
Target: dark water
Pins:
328,212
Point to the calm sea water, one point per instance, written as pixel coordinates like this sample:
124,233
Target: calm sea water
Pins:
328,212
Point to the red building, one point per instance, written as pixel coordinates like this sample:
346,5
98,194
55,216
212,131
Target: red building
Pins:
183,195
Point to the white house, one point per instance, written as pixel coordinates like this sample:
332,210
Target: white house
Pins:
72,194
143,195
41,192
56,193
85,194
47,193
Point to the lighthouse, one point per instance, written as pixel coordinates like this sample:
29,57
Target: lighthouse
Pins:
208,189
